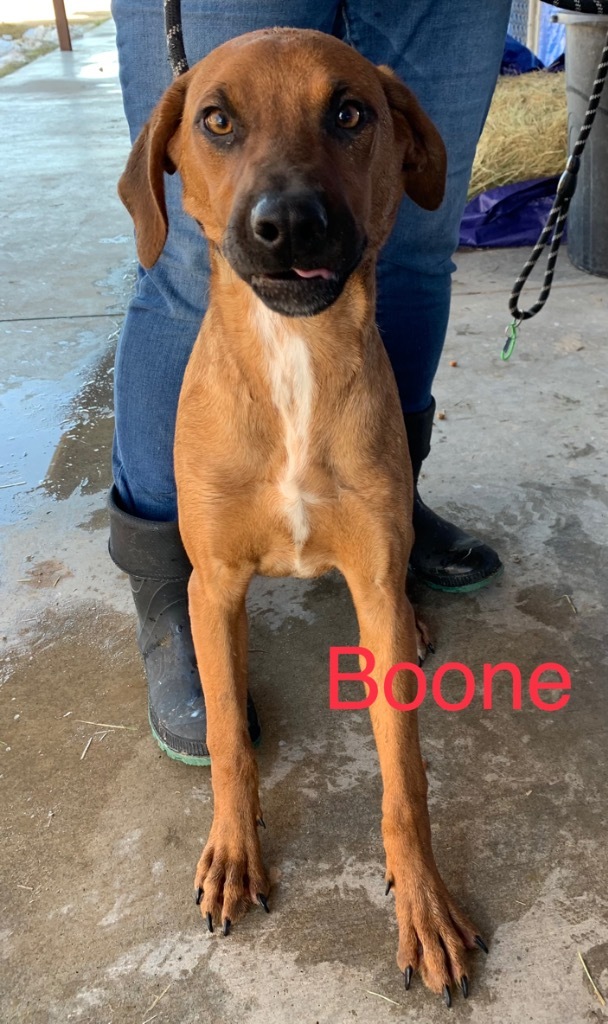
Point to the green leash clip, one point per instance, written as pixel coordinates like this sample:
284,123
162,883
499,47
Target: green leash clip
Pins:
509,345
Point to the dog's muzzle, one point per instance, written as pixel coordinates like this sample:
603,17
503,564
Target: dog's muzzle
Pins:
293,249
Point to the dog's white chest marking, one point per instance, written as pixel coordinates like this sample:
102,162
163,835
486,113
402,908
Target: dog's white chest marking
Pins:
292,387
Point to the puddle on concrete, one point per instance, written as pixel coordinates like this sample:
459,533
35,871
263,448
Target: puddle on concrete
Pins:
98,520
58,430
82,456
101,70
102,65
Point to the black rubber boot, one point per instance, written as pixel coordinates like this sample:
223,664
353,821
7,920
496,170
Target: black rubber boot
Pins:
443,556
153,556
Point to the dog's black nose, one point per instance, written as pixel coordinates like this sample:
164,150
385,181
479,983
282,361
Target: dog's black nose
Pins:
279,218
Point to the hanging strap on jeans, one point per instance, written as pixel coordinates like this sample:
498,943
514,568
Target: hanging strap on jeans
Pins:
175,38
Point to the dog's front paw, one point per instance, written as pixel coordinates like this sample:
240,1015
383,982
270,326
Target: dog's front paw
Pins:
434,934
230,874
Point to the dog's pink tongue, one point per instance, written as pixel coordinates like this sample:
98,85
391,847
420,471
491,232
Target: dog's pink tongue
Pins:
321,272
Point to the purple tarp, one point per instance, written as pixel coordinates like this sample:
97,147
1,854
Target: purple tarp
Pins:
509,215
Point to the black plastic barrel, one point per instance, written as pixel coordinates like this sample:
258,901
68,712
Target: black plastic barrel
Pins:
588,218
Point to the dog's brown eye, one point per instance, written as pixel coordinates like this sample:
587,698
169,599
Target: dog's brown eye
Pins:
349,115
217,122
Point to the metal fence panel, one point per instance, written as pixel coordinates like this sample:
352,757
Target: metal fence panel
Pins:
518,24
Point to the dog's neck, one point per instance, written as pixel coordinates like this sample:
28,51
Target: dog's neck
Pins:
334,342
302,368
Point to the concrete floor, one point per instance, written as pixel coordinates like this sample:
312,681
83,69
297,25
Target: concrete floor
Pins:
100,838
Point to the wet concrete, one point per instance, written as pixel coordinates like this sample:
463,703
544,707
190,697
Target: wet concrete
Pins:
66,262
100,838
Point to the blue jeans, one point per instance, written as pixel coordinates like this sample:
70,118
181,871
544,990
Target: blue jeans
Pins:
448,52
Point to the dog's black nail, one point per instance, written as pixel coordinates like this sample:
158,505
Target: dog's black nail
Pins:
389,886
430,647
420,661
464,984
263,902
261,822
447,996
227,924
479,941
198,895
408,977
209,922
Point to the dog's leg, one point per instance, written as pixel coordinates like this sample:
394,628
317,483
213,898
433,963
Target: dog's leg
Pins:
230,872
433,933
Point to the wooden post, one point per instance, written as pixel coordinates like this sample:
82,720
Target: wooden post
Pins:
63,29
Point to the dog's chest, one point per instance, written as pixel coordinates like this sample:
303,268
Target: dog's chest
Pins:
293,390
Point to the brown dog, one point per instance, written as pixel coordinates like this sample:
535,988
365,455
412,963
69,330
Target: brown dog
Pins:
290,451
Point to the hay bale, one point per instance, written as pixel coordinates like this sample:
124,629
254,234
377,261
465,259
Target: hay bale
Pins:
526,133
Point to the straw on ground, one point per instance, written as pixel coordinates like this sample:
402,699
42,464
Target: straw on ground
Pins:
105,725
593,985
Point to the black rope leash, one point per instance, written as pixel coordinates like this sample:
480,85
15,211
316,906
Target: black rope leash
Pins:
581,6
175,38
556,221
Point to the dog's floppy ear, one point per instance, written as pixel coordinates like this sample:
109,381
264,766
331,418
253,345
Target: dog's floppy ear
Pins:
141,186
424,159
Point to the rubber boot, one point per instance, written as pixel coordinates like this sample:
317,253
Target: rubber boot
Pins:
153,556
444,557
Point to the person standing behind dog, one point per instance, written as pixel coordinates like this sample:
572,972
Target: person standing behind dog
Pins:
449,54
